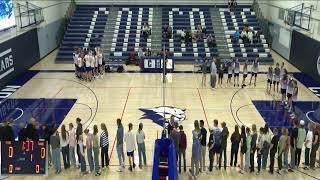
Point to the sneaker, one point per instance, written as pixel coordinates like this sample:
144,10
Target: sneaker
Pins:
130,168
279,172
97,174
258,173
306,168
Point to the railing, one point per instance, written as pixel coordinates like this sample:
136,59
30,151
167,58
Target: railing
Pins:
299,16
66,20
29,14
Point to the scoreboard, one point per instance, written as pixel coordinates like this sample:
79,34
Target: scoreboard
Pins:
23,157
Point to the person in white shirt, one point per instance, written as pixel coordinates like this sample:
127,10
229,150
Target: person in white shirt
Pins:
72,145
250,36
100,63
213,74
88,66
64,144
308,145
131,146
92,65
140,136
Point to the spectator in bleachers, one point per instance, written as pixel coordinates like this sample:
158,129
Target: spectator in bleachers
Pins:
236,36
199,33
181,33
211,41
166,31
188,37
204,31
146,30
250,36
257,36
244,36
232,5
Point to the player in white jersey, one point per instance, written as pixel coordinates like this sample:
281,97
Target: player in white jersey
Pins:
75,60
100,63
230,73
269,79
80,66
236,67
284,81
255,70
92,64
276,78
290,88
88,67
245,73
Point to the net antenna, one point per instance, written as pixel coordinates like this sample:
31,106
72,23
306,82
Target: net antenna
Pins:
164,88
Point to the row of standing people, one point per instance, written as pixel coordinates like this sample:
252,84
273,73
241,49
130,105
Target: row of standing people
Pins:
95,147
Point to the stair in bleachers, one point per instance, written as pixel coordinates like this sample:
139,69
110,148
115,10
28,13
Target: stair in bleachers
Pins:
85,29
156,35
220,35
188,18
233,21
109,30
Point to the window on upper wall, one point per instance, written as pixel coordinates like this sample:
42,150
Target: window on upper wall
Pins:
281,14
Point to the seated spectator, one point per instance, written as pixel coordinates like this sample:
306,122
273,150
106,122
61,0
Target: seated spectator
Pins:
204,31
169,32
148,52
166,31
232,5
236,36
188,37
198,34
146,31
257,36
250,36
244,36
211,41
181,33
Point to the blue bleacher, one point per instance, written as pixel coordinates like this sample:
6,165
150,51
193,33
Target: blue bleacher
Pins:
188,18
235,21
85,29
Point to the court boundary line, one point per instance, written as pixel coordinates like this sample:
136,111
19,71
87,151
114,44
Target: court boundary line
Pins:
203,109
123,110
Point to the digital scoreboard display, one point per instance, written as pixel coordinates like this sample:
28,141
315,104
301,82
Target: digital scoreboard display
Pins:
23,157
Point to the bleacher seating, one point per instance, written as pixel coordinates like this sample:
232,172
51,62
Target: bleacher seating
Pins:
235,21
86,29
127,35
188,18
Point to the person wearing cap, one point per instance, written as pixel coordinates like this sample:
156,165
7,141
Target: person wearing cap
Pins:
224,138
300,140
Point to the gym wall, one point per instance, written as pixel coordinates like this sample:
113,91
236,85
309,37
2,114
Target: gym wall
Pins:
17,55
305,54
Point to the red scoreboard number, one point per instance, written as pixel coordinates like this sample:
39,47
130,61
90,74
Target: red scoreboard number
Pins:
27,157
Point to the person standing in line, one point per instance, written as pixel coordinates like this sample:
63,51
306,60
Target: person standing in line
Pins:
243,146
210,148
96,147
266,146
119,147
282,146
220,74
64,143
255,70
245,73
248,144
253,146
131,146
300,141
194,171
308,144
235,141
269,79
89,140
283,84
294,95
315,146
289,94
236,72
182,149
72,145
140,137
293,145
259,149
230,73
55,145
175,136
79,130
204,73
203,147
104,144
276,78
217,141
213,74
79,137
223,141
273,149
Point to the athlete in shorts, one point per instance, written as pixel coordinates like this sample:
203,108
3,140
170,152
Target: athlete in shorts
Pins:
269,79
230,73
276,78
283,83
236,66
254,72
245,73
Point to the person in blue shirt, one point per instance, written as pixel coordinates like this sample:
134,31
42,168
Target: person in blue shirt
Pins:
236,36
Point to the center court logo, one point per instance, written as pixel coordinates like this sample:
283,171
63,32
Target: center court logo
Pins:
162,114
6,63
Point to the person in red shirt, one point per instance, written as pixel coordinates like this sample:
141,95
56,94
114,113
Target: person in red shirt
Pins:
182,148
